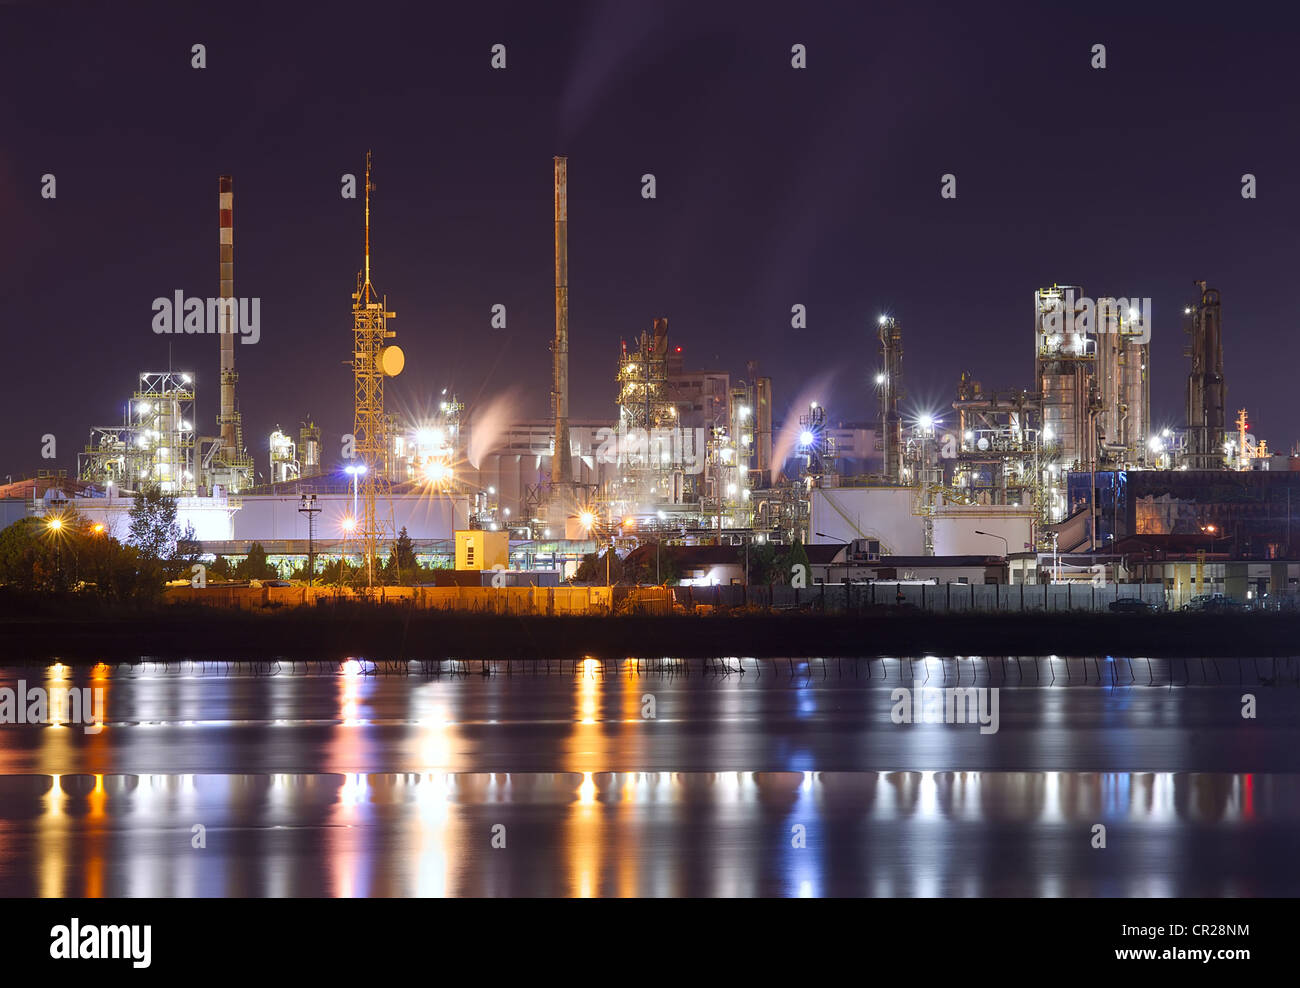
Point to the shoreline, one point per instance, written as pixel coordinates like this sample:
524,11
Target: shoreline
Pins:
396,633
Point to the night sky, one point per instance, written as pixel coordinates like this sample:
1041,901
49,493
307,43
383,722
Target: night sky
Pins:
775,187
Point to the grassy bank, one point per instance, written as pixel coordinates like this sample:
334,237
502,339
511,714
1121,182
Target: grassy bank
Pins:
39,630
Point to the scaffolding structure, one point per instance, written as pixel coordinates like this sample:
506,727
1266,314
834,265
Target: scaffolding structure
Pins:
373,359
309,449
650,469
283,458
154,445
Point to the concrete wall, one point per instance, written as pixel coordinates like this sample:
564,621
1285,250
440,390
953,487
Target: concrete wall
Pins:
955,527
271,517
884,513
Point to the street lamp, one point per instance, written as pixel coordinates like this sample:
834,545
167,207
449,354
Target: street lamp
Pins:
55,526
1211,531
356,470
1006,546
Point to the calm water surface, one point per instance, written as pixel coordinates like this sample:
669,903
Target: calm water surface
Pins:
791,779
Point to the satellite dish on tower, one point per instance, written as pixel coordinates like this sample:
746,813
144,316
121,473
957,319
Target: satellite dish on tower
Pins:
392,360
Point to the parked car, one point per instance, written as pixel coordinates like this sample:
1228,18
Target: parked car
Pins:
1131,605
1213,602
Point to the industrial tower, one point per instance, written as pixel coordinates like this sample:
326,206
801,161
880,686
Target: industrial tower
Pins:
561,461
372,361
1206,392
890,382
230,466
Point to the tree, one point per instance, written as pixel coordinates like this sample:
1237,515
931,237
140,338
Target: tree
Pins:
255,566
401,565
795,556
339,573
153,530
27,556
32,555
764,565
595,568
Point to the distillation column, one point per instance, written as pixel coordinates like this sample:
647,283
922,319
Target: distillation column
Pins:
1206,391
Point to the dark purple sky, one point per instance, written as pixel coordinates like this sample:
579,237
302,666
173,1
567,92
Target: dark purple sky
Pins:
775,187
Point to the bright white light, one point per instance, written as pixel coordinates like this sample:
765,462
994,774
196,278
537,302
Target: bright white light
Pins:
1154,444
731,489
805,438
926,421
884,319
744,411
492,490
1047,432
880,378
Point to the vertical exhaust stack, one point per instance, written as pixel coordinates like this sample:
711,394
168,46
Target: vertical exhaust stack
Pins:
891,392
1206,393
227,418
561,463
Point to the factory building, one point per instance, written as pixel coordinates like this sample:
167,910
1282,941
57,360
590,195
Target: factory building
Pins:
699,456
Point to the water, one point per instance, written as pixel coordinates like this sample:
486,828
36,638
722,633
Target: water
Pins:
789,780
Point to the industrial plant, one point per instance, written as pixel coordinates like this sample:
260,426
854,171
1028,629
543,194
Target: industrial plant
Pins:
1063,479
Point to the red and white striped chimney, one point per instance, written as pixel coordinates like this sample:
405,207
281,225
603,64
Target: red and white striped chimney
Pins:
227,419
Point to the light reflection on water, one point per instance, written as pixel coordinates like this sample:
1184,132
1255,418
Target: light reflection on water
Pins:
353,785
662,833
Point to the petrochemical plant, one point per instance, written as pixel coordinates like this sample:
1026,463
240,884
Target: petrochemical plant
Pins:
1040,484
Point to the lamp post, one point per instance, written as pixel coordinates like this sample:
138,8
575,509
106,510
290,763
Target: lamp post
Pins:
1209,530
356,470
307,506
821,535
1006,546
55,526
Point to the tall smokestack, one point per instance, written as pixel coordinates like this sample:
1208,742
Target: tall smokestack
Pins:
1206,393
561,465
227,418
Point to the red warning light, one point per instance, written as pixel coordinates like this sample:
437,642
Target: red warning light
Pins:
679,349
